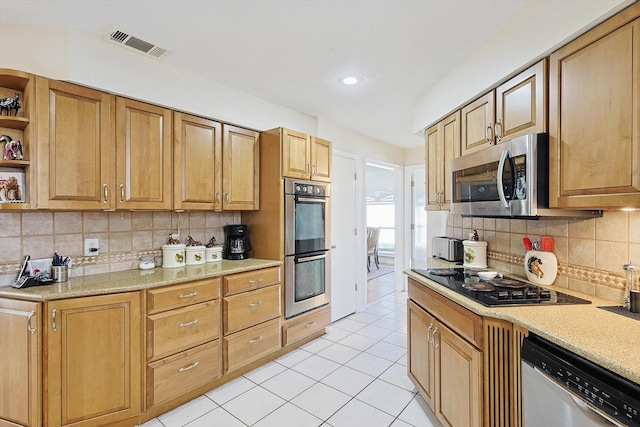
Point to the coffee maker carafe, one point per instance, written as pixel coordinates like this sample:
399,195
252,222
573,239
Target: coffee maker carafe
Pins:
237,244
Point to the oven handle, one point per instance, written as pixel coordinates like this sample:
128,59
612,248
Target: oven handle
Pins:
311,199
503,159
580,405
310,258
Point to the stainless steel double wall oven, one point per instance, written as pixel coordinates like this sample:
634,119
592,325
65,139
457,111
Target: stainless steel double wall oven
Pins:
306,245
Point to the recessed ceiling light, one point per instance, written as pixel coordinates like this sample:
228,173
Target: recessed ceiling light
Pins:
350,80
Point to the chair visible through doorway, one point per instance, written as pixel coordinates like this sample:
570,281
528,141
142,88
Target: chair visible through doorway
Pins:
373,233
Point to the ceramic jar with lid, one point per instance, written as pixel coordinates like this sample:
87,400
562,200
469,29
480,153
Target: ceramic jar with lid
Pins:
173,255
475,254
195,255
214,254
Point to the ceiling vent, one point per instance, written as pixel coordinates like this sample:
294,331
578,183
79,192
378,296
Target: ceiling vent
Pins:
123,39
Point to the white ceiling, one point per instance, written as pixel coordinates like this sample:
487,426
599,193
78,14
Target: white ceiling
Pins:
292,52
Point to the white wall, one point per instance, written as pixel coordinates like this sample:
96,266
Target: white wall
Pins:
540,28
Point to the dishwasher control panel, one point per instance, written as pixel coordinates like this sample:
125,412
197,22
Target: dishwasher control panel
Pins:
599,387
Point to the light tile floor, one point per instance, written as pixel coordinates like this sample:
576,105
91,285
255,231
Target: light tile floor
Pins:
355,375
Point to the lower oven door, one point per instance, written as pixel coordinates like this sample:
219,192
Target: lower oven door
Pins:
306,280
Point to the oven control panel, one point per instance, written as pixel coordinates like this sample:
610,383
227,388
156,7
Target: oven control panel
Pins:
317,190
601,388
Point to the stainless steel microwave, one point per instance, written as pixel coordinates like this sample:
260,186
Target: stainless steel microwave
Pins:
509,180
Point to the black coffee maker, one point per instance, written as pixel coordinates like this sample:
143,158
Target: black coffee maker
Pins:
237,244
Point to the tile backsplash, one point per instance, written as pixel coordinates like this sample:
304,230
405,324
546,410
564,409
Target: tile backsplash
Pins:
590,252
124,236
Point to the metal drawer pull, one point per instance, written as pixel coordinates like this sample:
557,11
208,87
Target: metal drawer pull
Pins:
255,304
53,320
121,194
255,340
106,193
193,322
29,327
433,337
255,280
429,338
310,324
189,367
192,294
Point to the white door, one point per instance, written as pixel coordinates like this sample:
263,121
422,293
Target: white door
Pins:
343,239
418,219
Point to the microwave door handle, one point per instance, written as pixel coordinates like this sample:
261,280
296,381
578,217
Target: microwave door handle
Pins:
503,159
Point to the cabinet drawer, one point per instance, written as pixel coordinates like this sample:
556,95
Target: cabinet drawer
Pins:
175,375
304,326
463,321
176,330
241,282
182,295
250,308
246,346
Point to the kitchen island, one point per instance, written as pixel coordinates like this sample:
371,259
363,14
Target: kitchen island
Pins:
482,346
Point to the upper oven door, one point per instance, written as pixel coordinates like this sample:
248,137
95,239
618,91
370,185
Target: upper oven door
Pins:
306,224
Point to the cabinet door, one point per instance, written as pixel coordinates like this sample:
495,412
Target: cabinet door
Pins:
75,153
21,370
197,163
477,124
93,360
521,104
450,135
421,363
144,155
459,388
320,159
433,162
594,120
296,154
240,169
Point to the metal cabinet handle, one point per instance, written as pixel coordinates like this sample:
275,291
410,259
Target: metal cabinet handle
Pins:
217,198
258,280
429,337
310,324
497,134
255,340
54,313
226,197
193,322
105,189
433,337
29,327
121,194
489,134
192,294
255,304
307,168
315,170
189,367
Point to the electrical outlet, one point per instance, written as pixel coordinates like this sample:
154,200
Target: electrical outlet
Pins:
92,247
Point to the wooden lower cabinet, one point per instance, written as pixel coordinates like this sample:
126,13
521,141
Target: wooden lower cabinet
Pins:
305,325
250,344
21,370
92,360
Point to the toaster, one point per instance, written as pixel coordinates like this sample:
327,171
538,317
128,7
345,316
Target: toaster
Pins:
447,248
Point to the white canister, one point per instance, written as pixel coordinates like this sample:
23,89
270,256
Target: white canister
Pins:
475,254
196,255
541,267
173,255
214,254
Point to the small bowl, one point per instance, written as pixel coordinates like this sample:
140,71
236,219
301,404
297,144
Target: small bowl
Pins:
487,275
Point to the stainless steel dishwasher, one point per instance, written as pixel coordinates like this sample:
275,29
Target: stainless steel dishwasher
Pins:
560,388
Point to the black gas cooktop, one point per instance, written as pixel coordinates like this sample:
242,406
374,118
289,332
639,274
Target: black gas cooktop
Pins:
503,291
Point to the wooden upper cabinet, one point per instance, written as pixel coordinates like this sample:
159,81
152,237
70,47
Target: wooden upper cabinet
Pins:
296,154
21,374
320,159
442,144
594,118
75,153
477,124
144,155
93,360
240,169
197,163
521,104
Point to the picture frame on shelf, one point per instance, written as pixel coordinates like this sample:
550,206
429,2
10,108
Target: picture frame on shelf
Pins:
12,187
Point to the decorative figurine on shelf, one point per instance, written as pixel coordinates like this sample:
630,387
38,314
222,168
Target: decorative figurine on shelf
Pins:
12,148
10,104
10,189
172,240
212,242
191,242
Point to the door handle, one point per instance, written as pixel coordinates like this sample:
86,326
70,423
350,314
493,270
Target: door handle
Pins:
121,194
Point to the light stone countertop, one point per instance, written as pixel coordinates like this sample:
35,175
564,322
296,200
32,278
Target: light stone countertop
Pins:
608,339
133,280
